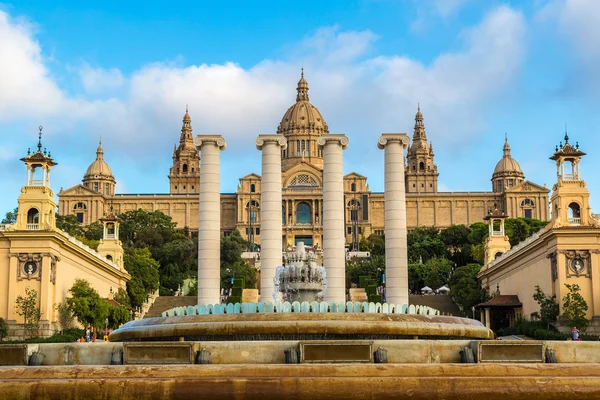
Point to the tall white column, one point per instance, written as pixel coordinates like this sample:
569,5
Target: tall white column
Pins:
271,229
396,257
334,256
209,218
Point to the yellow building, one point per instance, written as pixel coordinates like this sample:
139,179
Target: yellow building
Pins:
302,172
35,254
566,251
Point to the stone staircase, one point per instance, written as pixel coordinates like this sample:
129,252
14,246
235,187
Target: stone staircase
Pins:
164,303
443,303
358,294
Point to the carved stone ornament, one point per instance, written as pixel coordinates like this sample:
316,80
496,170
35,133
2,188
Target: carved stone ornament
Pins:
553,266
30,266
577,263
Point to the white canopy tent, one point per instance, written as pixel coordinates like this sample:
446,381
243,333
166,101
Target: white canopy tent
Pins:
426,289
444,289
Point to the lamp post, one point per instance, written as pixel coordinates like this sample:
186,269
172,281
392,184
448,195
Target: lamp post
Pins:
131,315
251,228
354,218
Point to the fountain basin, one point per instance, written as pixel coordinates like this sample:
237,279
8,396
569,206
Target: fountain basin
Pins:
301,326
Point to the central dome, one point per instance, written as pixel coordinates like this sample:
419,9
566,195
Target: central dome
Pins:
302,118
507,165
99,167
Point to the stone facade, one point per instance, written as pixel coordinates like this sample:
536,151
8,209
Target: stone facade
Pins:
302,188
566,251
35,254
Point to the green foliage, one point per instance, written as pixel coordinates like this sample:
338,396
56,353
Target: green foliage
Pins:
364,244
27,307
144,274
3,329
239,270
91,243
478,253
122,298
479,232
145,227
465,288
416,276
94,231
117,316
65,336
425,243
516,230
69,224
10,217
574,308
372,268
65,316
86,304
455,237
377,244
193,288
549,308
232,247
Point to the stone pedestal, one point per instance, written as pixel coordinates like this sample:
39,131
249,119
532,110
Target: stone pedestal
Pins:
209,219
334,257
396,257
270,211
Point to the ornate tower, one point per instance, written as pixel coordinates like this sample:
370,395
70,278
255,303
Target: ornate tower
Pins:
570,196
421,173
497,242
302,125
185,172
99,176
37,207
507,173
110,246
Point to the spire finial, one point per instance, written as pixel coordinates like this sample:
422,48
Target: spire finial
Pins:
39,146
302,87
186,108
506,137
566,135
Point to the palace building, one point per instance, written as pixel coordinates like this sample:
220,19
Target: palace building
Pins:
302,202
35,255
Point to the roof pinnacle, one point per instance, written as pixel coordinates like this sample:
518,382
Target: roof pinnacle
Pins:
302,88
39,146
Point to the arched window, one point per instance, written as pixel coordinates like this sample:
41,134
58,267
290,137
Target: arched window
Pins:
110,228
80,206
421,166
498,254
96,188
33,216
107,189
303,213
297,148
252,188
283,215
574,214
527,203
252,207
185,168
353,187
109,257
303,180
354,207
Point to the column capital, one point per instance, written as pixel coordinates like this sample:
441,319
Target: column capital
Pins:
386,138
271,138
217,140
333,138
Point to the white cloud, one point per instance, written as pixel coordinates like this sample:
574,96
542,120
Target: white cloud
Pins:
98,80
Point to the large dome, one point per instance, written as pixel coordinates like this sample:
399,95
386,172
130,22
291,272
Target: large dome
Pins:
507,165
302,117
99,168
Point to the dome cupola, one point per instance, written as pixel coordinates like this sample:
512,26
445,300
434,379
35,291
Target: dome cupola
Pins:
302,124
99,176
507,172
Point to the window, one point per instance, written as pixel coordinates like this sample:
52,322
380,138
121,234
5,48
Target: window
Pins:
574,214
303,213
258,231
175,187
109,257
192,187
96,188
414,185
421,166
431,185
528,213
283,215
192,169
359,230
110,228
33,216
303,180
498,254
80,218
353,187
183,187
252,207
107,189
252,188
527,202
354,207
185,168
349,231
80,206
297,148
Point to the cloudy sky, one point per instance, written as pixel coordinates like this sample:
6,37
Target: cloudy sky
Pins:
479,69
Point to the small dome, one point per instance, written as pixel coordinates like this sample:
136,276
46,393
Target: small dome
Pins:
99,167
508,165
302,117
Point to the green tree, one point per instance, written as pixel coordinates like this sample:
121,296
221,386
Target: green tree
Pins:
122,298
478,253
416,276
65,316
438,272
10,217
479,232
3,329
69,224
575,307
94,231
232,247
140,222
377,244
364,244
516,230
239,269
465,288
86,304
27,307
117,316
455,237
549,308
425,243
373,268
144,274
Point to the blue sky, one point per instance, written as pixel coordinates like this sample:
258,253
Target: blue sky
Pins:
124,71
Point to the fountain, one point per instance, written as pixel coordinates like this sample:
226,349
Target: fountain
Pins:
300,279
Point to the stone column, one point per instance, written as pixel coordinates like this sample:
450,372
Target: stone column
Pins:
271,229
334,256
396,257
209,218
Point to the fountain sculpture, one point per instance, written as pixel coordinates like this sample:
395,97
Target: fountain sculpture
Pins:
300,279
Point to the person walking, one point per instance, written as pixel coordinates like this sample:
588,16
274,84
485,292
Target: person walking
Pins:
87,334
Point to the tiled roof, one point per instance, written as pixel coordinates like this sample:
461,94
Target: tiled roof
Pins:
503,300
